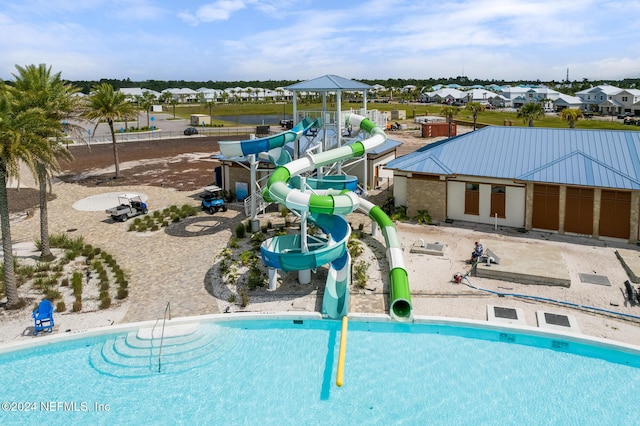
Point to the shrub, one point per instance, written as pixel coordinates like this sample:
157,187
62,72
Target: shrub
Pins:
423,217
355,247
122,293
399,213
256,278
132,227
61,307
233,243
257,239
97,251
245,257
360,276
232,298
240,230
76,284
52,295
244,299
64,282
105,303
223,267
165,223
77,305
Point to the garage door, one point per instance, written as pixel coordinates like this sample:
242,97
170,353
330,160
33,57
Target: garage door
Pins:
615,214
578,216
546,207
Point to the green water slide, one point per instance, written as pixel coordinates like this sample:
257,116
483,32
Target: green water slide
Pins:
344,202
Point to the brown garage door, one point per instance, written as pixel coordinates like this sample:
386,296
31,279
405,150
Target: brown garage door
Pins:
578,216
546,206
615,214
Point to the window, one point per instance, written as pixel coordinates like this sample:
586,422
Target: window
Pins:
498,196
625,98
472,199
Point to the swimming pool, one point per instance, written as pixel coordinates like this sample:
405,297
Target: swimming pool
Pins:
282,371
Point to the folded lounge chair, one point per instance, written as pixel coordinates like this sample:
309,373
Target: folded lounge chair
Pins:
43,316
631,293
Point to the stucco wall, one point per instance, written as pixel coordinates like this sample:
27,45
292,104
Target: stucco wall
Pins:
514,204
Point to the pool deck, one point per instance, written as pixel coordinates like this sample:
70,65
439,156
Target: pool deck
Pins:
517,263
176,266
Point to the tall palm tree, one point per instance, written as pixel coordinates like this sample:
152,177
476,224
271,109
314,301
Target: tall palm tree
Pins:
36,87
210,106
571,115
107,104
530,111
449,111
475,108
19,143
145,102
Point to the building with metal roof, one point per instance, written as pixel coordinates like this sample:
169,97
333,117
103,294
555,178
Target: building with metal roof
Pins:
585,182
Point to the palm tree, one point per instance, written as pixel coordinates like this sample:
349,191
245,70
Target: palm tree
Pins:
449,111
35,87
571,115
107,104
145,102
530,111
475,108
19,143
210,106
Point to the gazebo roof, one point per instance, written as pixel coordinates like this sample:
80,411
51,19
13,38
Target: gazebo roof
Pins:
328,83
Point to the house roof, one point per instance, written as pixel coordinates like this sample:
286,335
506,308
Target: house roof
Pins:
596,158
328,83
388,145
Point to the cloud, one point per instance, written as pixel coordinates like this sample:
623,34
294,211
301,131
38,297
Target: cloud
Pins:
220,10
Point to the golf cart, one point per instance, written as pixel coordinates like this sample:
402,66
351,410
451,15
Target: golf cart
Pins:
212,200
129,205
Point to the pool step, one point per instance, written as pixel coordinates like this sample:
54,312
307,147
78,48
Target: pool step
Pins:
136,353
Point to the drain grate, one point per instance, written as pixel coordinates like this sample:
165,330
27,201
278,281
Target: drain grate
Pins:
594,279
434,247
555,319
508,313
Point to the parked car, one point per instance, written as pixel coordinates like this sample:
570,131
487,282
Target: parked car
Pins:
190,131
624,115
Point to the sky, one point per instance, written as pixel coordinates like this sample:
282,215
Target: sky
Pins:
233,40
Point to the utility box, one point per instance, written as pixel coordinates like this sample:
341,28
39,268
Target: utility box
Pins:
432,130
398,114
198,119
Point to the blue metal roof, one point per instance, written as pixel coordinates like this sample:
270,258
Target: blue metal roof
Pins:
388,145
596,158
328,83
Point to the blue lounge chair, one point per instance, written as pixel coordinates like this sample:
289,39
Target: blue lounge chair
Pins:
43,316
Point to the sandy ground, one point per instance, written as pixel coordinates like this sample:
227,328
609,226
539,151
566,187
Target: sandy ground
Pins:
433,291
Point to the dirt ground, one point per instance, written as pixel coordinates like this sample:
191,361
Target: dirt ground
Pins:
183,164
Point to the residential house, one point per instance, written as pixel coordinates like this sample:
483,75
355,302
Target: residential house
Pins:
595,99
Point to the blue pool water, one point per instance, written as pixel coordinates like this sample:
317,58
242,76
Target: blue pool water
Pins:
281,372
